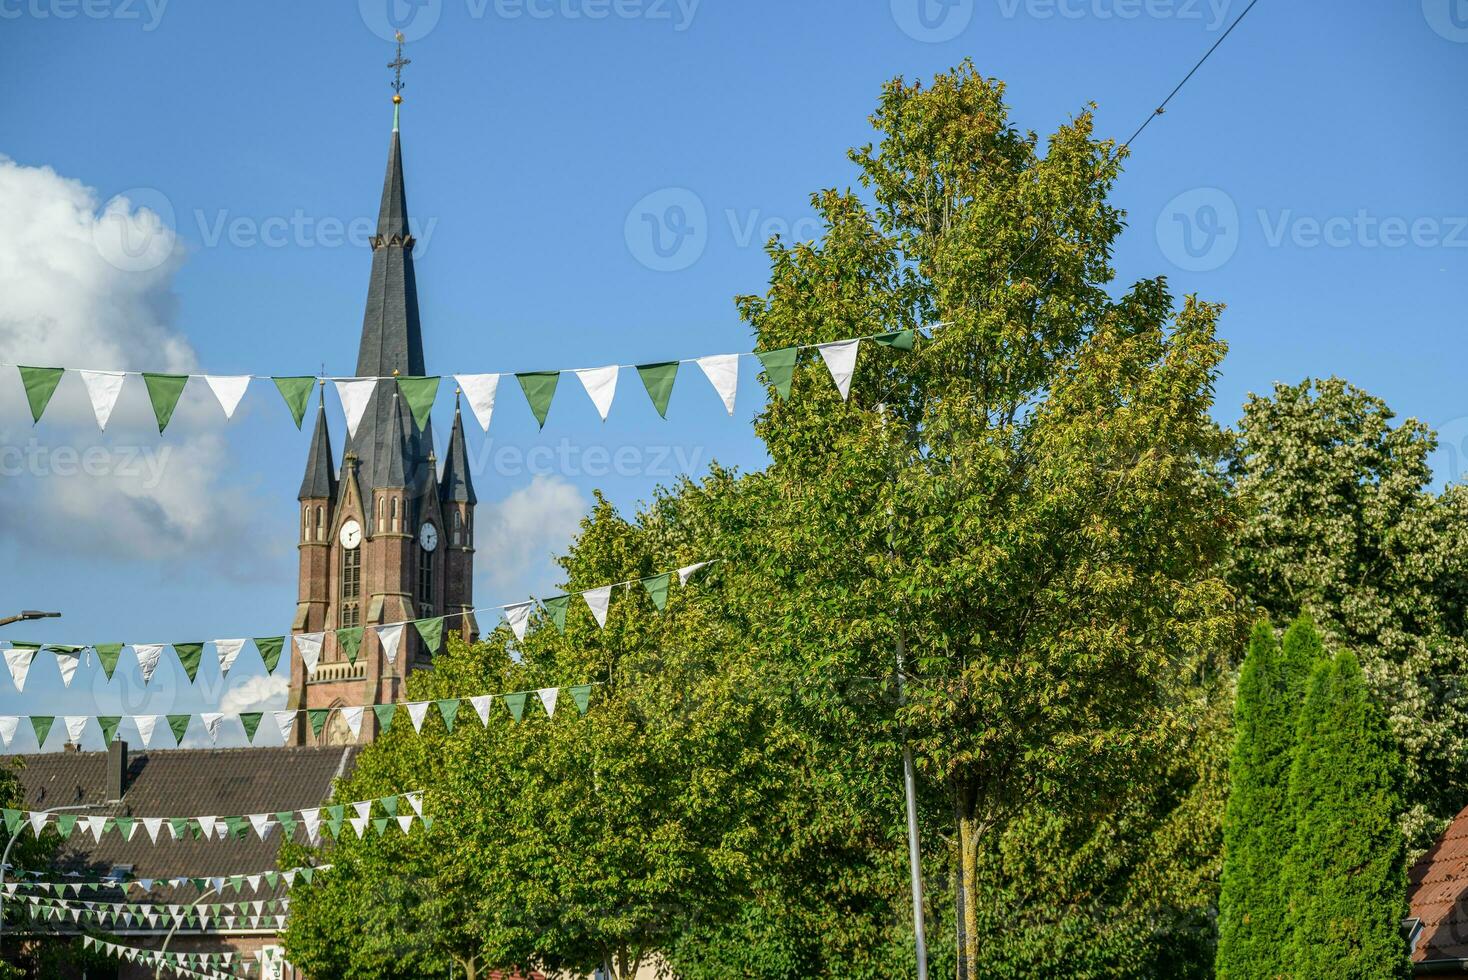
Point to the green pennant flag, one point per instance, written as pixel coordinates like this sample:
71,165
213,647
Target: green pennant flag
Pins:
657,587
581,694
557,607
270,648
125,826
164,391
180,827
897,339
40,384
379,824
449,708
539,388
179,725
419,393
109,825
317,717
13,820
516,703
390,805
349,641
109,725
65,824
307,873
251,721
384,713
297,394
41,725
108,655
334,817
287,821
272,878
189,655
779,367
658,380
432,632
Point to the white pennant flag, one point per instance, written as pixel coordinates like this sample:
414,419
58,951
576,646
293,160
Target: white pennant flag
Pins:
363,808
261,823
8,725
103,387
840,360
518,616
148,656
353,718
359,824
67,663
416,711
146,724
312,820
211,720
38,822
95,826
686,572
548,696
75,725
207,825
480,390
132,829
390,637
229,651
601,385
152,825
355,394
229,389
254,880
309,644
722,370
597,601
415,800
18,659
285,721
406,822
481,704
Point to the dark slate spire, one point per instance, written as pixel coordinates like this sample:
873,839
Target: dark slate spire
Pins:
390,450
320,479
456,486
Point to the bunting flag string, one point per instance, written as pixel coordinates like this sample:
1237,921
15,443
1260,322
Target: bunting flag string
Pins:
19,655
316,820
268,914
75,883
419,393
209,966
147,726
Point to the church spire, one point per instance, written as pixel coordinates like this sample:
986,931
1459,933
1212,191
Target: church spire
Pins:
456,485
386,441
319,482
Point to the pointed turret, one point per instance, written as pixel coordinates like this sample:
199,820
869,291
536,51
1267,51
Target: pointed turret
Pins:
456,486
319,483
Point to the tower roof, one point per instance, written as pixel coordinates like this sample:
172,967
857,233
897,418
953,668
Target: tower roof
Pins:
390,449
456,485
320,479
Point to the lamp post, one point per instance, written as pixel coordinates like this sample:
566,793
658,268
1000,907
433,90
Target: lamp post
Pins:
29,614
5,858
163,950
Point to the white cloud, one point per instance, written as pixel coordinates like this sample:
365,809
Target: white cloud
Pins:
88,285
256,694
516,537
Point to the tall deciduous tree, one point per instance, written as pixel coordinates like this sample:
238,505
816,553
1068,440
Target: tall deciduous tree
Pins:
1253,942
1342,523
1347,869
1027,504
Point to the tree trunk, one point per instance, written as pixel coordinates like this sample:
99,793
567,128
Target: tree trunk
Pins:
968,872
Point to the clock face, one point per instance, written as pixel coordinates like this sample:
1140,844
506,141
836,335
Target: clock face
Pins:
428,537
351,535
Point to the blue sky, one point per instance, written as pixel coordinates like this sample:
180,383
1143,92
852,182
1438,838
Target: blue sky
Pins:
1310,176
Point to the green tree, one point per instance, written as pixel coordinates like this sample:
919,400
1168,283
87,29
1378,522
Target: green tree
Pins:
1347,866
1342,523
1259,822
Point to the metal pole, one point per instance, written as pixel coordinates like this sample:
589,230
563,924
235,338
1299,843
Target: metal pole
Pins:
914,851
28,614
176,923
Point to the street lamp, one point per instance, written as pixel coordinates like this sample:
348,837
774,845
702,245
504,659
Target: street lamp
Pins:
5,858
29,614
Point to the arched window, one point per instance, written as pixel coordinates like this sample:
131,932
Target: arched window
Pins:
349,609
381,514
393,505
306,523
320,523
425,583
458,527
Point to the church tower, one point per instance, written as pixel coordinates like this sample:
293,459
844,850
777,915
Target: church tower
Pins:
389,540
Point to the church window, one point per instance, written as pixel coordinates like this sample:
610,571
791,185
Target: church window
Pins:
394,508
306,523
380,513
425,582
458,525
320,524
351,591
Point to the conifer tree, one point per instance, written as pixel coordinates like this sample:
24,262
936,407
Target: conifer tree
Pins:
1346,870
1258,823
